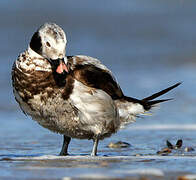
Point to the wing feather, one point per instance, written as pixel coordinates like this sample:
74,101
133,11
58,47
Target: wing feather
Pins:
93,75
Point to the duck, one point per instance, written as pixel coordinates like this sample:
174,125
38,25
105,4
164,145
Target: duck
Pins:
75,96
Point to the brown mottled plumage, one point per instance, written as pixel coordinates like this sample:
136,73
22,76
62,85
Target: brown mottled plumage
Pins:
76,96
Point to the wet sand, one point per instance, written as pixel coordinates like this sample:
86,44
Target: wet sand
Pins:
55,167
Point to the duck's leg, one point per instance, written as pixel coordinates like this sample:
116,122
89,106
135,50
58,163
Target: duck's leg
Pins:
95,145
66,141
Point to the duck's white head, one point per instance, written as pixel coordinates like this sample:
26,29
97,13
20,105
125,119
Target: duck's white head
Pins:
49,41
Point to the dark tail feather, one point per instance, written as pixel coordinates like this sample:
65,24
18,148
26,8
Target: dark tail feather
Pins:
160,92
147,103
158,101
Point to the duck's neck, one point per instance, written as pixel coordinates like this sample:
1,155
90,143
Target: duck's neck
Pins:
33,53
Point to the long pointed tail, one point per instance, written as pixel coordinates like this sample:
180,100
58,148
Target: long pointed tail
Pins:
148,102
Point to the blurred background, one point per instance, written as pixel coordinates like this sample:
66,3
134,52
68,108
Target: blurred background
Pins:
148,44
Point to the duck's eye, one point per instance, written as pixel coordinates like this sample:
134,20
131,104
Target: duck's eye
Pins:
48,44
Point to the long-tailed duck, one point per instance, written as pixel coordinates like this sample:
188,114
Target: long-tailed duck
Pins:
76,96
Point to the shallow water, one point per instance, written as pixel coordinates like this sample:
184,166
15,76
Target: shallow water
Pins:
149,45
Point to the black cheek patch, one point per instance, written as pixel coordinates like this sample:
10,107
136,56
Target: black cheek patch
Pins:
35,43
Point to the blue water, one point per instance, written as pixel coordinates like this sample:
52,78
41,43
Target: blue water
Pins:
148,44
